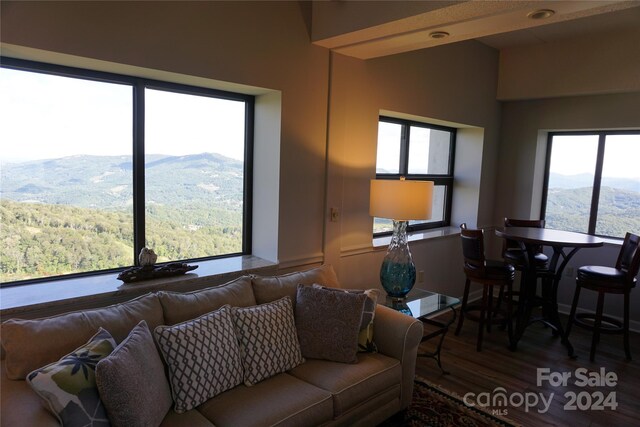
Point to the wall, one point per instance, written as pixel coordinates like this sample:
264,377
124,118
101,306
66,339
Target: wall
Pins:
598,63
582,83
263,45
522,156
329,107
454,85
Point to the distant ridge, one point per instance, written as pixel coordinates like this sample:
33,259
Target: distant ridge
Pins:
557,180
105,182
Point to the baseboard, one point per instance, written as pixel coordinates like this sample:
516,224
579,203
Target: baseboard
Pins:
634,325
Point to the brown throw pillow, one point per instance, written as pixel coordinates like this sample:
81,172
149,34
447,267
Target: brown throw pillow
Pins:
328,323
365,337
132,382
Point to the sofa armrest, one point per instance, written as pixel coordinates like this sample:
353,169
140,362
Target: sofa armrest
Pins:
398,335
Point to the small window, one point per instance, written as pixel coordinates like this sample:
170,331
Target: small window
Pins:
417,151
592,182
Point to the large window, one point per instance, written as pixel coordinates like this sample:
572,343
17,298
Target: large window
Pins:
592,182
95,166
417,151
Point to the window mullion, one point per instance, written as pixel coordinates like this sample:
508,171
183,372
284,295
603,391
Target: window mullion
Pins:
597,180
404,150
138,171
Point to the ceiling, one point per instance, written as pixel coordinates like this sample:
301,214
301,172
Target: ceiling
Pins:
499,24
596,24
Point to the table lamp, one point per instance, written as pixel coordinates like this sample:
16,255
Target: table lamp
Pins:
401,201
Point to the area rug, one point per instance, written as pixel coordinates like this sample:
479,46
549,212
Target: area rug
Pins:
433,406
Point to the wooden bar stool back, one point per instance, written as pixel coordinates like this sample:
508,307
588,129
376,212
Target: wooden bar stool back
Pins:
513,253
608,280
489,274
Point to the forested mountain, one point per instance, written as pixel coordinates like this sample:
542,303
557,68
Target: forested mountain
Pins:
618,210
75,214
105,182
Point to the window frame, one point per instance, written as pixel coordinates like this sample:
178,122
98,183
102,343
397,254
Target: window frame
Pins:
445,180
597,180
138,85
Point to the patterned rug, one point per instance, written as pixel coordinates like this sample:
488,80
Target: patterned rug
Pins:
432,406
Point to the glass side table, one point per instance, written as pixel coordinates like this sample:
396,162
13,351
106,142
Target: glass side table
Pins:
423,305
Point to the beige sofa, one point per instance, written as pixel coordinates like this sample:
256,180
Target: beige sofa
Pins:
318,392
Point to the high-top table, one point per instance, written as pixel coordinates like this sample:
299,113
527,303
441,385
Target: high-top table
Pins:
565,244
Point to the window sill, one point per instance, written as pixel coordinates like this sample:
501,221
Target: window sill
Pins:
46,296
383,242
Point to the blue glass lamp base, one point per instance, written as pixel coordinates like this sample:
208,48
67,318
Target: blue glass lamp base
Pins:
397,279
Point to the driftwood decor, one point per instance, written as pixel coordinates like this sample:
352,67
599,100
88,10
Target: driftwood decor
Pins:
147,272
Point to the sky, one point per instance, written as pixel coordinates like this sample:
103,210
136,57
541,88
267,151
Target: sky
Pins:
44,117
576,154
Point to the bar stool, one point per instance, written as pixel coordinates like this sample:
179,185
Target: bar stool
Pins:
607,280
513,253
518,257
490,274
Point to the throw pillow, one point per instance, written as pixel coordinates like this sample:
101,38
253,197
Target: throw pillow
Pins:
69,385
132,382
203,358
268,340
365,337
328,323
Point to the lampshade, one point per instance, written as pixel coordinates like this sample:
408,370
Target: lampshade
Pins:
401,200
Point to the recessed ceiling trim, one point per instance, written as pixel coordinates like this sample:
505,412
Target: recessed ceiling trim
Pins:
512,17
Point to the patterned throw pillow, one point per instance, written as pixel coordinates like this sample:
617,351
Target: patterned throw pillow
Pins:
365,337
203,358
328,323
268,339
69,385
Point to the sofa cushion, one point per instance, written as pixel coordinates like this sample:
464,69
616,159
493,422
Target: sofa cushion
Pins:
203,357
281,400
267,289
351,384
179,307
30,344
132,382
192,418
328,323
20,406
268,341
69,385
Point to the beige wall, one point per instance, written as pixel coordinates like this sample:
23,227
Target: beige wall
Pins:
454,84
522,151
322,152
592,64
584,83
266,45
259,44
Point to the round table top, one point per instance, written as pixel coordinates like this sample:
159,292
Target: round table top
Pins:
549,237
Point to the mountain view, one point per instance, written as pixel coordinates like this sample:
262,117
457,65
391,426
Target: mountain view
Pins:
569,202
75,213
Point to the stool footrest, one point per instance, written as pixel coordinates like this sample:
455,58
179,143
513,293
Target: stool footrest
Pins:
608,325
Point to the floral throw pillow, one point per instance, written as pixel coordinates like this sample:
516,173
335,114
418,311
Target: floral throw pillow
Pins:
69,385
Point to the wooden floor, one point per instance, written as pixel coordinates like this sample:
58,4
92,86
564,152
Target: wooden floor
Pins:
496,366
